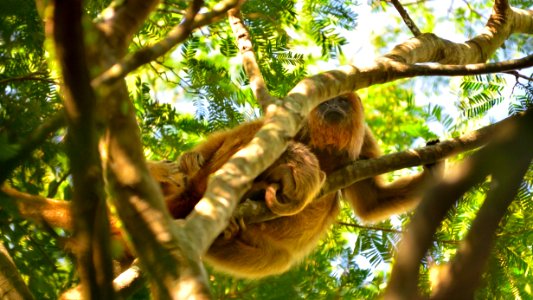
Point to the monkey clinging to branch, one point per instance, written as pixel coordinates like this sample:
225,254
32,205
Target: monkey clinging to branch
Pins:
336,134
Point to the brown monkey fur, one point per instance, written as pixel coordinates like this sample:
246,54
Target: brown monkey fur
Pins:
336,133
287,186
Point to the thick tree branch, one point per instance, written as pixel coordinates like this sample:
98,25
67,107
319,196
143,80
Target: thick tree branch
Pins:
30,143
141,208
121,21
244,43
91,227
429,48
174,37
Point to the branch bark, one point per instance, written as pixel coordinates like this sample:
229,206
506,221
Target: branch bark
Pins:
361,169
11,284
29,144
91,226
249,62
512,146
406,18
175,36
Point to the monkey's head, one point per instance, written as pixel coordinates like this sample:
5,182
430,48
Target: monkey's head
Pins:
336,110
336,125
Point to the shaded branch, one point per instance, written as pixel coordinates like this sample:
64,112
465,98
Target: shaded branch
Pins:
30,143
11,284
244,43
406,18
122,19
174,37
512,145
37,76
463,274
91,226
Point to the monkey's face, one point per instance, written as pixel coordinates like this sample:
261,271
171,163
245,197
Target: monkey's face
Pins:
336,110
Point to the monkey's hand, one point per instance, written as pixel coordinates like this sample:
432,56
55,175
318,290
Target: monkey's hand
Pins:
191,162
169,176
234,227
291,189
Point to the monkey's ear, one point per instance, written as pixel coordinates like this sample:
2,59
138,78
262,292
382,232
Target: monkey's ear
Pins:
322,176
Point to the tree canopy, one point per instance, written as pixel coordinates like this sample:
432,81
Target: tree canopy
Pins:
92,89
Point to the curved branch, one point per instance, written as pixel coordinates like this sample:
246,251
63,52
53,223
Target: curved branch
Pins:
244,42
430,48
176,36
121,21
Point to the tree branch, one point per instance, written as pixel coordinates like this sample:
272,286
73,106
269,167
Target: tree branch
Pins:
11,284
244,42
406,18
121,21
512,143
30,143
91,226
174,37
36,76
462,276
429,48
254,212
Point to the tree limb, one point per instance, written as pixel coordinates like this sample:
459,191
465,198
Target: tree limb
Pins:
176,36
513,157
406,18
11,284
28,144
249,62
256,212
122,19
512,141
91,226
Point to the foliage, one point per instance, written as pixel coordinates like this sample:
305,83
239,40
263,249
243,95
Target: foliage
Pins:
353,262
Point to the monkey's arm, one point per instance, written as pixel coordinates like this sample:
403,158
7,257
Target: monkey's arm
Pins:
373,200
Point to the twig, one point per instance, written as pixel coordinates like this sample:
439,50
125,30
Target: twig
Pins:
406,18
33,76
30,143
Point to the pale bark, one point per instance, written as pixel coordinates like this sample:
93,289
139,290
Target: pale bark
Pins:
12,286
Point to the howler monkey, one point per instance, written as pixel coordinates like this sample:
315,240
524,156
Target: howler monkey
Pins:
336,133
